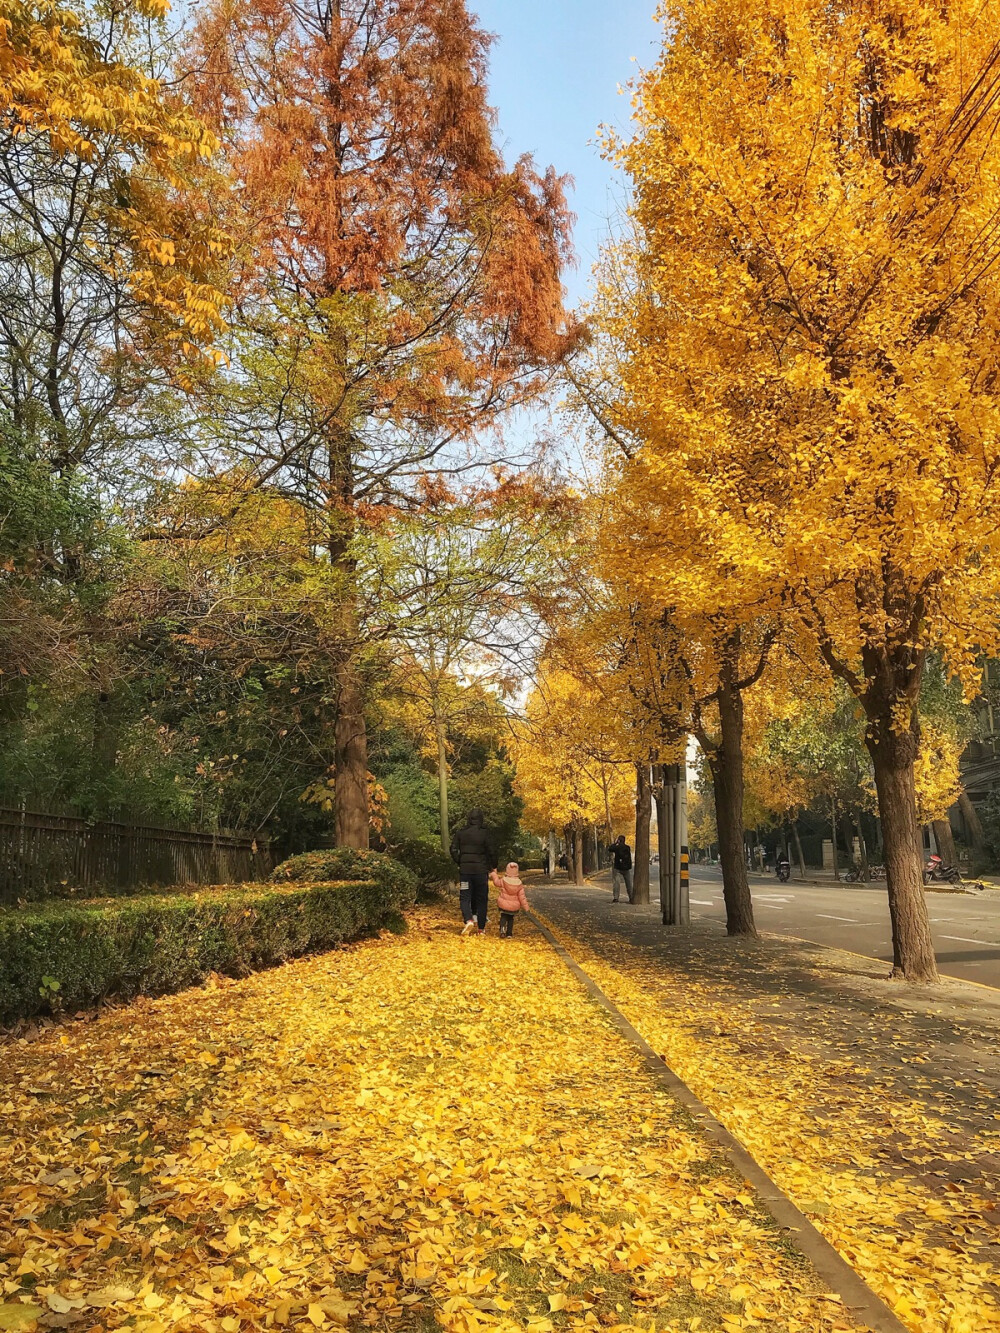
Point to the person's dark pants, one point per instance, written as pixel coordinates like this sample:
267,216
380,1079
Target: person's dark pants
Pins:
619,877
506,925
474,896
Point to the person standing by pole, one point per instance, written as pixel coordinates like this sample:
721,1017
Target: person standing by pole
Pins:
621,868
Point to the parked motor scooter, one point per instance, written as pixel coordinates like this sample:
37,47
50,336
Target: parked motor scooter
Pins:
936,872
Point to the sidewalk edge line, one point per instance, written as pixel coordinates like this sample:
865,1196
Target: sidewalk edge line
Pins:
867,957
839,948
843,1280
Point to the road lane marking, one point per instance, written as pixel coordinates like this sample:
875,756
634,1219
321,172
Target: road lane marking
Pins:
827,917
964,939
703,902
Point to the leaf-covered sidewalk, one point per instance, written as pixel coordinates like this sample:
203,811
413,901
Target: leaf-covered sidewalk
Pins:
873,1105
414,1132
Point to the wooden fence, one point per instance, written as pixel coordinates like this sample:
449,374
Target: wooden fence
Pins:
50,855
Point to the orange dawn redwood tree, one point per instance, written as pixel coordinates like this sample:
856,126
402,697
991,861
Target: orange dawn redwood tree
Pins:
401,285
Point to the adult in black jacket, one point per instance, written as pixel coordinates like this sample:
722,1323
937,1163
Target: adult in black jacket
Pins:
621,867
473,851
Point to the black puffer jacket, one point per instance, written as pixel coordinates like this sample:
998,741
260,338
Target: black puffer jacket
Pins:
472,848
622,854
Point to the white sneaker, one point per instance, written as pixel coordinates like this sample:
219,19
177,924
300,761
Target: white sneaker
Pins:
469,925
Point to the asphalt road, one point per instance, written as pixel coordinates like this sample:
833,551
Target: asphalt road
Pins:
856,917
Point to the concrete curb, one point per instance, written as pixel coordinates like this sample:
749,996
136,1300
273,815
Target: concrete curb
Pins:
835,1271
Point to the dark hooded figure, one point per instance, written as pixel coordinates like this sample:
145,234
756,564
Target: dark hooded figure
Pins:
473,851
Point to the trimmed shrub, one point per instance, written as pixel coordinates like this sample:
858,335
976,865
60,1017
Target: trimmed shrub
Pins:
61,955
436,872
340,863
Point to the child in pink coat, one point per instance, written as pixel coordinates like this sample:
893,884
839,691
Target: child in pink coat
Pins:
510,897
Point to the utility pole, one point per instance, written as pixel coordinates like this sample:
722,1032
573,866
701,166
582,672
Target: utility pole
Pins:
670,862
684,858
662,833
675,875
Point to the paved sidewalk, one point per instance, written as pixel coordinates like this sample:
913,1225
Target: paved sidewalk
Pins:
415,1133
873,1104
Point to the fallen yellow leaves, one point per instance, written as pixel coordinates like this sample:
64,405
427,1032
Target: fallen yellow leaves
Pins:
924,1253
415,1130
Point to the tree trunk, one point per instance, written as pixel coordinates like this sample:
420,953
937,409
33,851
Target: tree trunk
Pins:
862,845
972,821
893,754
578,836
945,840
553,853
662,832
847,832
351,771
833,835
726,764
104,751
643,814
350,733
442,767
591,860
798,848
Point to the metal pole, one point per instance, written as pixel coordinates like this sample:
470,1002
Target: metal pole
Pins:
684,877
674,849
672,870
659,792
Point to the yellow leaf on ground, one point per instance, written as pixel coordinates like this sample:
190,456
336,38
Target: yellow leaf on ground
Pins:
15,1317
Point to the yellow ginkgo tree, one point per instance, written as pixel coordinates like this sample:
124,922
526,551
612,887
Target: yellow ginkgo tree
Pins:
100,163
571,773
812,350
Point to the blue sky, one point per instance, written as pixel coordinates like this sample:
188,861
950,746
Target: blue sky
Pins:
556,69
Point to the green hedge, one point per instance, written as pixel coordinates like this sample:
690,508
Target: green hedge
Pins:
339,863
436,872
73,955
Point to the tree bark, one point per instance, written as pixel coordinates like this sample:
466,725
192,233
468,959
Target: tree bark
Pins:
442,768
662,833
104,751
833,835
893,754
578,835
590,849
726,763
798,848
351,767
945,840
862,845
643,815
847,833
972,821
553,853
